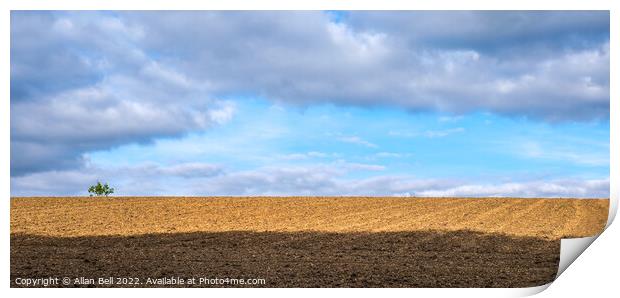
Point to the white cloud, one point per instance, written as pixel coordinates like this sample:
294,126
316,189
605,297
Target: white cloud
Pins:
199,179
319,154
85,81
450,118
403,134
443,133
440,133
596,156
411,60
294,156
358,141
308,155
222,114
100,90
560,188
191,170
352,166
392,155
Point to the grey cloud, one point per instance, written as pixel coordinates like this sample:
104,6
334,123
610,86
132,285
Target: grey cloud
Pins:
55,51
375,62
198,179
491,31
54,182
142,179
39,63
83,81
29,157
57,131
116,93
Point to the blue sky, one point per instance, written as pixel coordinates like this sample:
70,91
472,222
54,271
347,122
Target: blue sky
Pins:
311,103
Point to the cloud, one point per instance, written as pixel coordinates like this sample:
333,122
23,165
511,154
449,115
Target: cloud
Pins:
141,179
392,155
559,188
427,133
222,114
320,154
413,60
357,141
308,155
86,81
522,33
54,133
191,170
352,166
597,155
54,182
450,118
198,179
442,133
117,95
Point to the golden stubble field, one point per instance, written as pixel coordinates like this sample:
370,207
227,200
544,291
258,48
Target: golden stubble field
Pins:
302,241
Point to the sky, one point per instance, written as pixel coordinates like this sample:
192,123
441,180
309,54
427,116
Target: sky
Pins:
390,103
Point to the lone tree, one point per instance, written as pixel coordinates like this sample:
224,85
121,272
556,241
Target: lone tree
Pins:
100,189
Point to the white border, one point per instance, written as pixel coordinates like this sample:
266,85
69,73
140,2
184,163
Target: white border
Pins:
315,5
583,279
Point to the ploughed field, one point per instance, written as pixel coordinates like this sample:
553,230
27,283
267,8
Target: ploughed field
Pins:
299,241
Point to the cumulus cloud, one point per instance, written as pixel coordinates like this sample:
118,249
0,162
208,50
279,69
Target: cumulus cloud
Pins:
141,179
560,188
448,61
94,88
86,81
199,179
501,32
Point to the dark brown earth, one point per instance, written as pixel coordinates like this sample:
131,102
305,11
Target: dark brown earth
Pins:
299,259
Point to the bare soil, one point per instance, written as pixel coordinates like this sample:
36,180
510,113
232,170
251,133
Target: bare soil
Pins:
300,242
